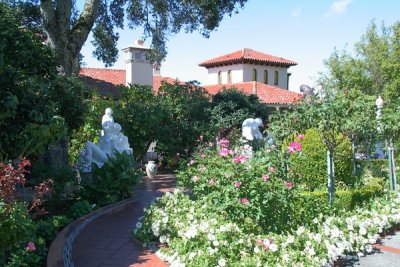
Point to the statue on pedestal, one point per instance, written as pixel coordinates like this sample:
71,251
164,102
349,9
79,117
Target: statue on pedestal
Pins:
111,141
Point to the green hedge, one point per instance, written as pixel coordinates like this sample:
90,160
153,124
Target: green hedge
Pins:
312,165
309,205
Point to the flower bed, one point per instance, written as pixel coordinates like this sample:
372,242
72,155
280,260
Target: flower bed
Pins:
197,238
247,212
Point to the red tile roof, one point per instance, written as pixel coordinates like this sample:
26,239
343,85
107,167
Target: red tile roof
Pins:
107,80
107,77
248,56
267,94
113,76
157,80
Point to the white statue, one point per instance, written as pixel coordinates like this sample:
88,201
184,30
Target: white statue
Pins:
250,130
107,117
111,141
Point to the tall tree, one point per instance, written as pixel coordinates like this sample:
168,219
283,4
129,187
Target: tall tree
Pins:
67,28
373,67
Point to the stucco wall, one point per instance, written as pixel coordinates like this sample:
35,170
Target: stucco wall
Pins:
244,73
236,74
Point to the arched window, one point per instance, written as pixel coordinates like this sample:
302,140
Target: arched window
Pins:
229,76
219,78
254,75
276,78
265,76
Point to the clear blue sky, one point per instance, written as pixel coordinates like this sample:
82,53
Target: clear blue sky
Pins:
303,31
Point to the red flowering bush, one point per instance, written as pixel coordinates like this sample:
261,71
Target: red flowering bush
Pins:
16,224
10,177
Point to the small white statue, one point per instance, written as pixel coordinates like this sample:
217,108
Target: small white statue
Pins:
250,130
111,141
107,117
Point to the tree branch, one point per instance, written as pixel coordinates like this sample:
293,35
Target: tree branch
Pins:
49,23
83,26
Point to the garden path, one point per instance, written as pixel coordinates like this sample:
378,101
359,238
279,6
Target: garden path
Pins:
107,242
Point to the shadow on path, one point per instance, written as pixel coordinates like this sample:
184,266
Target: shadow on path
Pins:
107,240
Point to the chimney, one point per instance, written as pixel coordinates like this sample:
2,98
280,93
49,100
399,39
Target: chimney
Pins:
254,88
138,67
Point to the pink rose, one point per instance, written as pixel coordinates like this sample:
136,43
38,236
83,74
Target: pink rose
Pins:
31,246
245,201
271,169
294,147
300,136
289,185
239,159
224,143
211,181
224,152
265,177
237,184
203,155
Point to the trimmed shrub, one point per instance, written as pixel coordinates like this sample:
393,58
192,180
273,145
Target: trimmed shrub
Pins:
309,205
112,182
312,165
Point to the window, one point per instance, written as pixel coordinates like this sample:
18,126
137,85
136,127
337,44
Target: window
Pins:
229,76
219,78
138,56
254,75
276,78
265,76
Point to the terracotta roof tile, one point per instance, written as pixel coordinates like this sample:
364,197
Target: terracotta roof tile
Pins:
247,55
267,94
113,76
109,80
158,80
106,79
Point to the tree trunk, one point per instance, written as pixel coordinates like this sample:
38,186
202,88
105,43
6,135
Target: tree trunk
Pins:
66,39
331,177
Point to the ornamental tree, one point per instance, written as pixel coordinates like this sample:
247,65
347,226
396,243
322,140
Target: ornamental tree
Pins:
67,28
335,117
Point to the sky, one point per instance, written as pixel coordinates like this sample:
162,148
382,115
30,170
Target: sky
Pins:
303,31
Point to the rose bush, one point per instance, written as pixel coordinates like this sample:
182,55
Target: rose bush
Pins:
255,189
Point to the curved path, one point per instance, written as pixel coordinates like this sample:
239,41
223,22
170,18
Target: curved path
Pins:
107,241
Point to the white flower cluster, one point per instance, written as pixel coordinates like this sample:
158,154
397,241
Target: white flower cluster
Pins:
195,238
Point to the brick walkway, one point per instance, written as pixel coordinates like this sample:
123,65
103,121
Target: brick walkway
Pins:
107,240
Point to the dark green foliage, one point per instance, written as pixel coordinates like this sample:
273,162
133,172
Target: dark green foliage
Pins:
80,208
187,108
142,117
311,166
112,182
37,106
231,107
64,178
